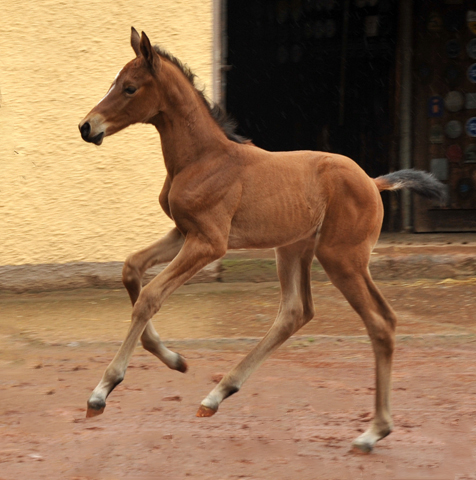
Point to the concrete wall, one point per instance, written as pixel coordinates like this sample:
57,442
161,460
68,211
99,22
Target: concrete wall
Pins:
62,200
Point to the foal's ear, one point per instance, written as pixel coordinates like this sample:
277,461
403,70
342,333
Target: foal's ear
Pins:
148,52
135,41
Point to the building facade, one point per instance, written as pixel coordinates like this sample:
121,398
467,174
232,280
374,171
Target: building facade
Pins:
62,200
297,74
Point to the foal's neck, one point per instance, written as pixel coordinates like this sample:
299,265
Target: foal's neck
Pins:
187,130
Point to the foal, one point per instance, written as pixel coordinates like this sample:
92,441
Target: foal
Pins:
223,192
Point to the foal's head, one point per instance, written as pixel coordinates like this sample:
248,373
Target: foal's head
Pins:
132,98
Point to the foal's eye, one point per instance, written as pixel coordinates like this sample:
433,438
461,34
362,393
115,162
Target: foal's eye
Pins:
130,90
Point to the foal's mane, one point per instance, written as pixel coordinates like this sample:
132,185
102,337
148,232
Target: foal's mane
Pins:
223,120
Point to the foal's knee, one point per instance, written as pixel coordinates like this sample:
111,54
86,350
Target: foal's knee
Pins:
149,342
292,318
382,333
146,306
130,273
386,342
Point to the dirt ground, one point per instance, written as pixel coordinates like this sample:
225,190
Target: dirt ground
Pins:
294,419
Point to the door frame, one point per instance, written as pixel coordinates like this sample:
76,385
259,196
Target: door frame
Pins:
219,52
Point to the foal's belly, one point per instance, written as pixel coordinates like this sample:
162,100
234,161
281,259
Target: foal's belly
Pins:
282,201
238,240
269,226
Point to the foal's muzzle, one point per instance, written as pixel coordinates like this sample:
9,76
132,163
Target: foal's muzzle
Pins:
85,130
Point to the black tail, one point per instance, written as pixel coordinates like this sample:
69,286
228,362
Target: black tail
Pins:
417,181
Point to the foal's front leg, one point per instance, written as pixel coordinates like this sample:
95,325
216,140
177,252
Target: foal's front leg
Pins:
193,256
162,251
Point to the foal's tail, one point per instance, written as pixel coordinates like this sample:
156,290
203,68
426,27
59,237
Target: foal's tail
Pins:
417,181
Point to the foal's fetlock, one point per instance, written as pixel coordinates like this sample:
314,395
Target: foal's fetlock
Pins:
230,391
180,364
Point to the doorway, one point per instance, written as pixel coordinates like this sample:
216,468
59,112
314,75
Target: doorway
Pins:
315,75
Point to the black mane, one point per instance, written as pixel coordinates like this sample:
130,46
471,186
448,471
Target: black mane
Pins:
223,120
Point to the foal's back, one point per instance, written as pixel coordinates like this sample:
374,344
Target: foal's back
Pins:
286,196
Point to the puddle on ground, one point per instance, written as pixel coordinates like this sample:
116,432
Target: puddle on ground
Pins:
229,310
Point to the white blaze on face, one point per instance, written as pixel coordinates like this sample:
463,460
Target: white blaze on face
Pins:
112,86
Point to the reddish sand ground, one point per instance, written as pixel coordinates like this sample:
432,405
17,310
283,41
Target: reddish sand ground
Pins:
294,419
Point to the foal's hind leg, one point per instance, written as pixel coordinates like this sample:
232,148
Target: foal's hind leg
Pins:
162,251
347,268
295,310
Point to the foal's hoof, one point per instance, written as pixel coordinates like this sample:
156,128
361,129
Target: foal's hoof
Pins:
181,365
95,408
366,442
204,411
362,446
94,412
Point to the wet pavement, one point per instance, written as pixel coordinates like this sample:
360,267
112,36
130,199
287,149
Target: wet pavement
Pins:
217,310
294,418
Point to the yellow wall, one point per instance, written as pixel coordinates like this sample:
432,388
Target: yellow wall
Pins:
62,200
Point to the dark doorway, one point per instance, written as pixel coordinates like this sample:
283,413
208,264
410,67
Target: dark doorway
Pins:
288,89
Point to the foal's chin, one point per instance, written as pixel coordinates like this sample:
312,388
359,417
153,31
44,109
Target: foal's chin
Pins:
97,139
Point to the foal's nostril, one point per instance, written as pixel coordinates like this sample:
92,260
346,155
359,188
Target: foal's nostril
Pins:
85,130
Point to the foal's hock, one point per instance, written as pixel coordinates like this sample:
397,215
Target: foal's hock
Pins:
223,192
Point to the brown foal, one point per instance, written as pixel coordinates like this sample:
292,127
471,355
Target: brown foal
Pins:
223,192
